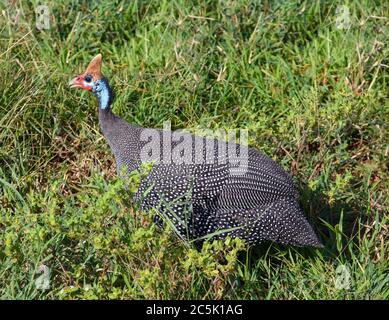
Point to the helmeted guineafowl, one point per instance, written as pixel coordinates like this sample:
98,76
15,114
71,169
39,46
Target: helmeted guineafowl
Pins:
217,198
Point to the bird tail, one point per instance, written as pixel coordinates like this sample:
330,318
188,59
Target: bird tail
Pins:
283,221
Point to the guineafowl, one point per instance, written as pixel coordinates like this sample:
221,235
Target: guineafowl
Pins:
203,191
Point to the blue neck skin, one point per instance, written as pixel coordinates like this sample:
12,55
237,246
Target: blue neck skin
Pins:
103,93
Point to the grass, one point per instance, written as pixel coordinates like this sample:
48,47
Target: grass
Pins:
313,97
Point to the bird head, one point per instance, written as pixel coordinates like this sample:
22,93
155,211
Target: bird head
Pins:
93,80
90,77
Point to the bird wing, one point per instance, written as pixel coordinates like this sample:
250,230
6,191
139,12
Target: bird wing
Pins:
281,221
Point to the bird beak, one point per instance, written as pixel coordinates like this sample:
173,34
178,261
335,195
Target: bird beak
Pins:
77,82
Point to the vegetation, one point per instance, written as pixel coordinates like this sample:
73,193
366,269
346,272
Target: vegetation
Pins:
308,81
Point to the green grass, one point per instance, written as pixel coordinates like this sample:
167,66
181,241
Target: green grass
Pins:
313,97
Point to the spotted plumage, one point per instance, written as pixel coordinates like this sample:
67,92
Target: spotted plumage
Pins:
204,199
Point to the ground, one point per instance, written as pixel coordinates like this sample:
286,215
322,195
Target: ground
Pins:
309,82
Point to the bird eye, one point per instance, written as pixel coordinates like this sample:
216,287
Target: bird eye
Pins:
88,78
